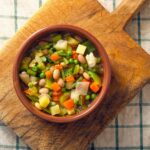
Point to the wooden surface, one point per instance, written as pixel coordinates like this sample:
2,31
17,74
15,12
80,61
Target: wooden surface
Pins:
130,72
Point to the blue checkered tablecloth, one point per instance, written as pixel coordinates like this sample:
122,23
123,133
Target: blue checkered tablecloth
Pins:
131,129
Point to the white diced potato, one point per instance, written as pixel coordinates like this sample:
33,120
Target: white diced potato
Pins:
81,49
71,111
55,110
44,100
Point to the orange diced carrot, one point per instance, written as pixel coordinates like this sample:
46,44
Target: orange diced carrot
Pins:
48,74
55,98
69,104
70,78
84,80
54,57
57,93
58,67
28,91
94,87
74,54
55,87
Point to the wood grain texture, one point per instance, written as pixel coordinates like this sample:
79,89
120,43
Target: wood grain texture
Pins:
130,68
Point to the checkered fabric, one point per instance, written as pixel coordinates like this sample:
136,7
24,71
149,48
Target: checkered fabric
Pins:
131,129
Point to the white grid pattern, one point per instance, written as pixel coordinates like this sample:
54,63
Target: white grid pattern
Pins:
128,122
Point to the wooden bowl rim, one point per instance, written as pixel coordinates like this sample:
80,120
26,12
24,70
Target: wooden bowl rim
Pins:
28,43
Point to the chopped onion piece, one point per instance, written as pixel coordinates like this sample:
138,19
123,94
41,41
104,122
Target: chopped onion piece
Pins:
61,45
91,60
82,88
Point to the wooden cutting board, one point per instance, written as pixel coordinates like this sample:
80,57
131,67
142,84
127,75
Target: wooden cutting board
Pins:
130,72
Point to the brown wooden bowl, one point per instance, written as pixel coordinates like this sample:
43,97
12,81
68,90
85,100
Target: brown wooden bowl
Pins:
26,47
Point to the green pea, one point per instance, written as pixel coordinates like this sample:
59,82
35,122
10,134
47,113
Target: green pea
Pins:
42,75
35,68
69,53
75,61
87,97
93,96
71,60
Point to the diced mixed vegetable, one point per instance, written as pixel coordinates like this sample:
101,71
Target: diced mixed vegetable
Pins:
63,74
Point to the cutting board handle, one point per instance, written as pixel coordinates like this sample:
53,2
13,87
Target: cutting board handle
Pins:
122,14
126,10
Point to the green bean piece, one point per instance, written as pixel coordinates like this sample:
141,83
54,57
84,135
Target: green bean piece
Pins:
63,90
33,98
76,101
72,41
79,79
47,110
90,46
69,53
41,65
81,100
56,38
62,53
85,66
64,97
76,69
30,72
76,61
30,84
63,74
65,61
23,68
95,77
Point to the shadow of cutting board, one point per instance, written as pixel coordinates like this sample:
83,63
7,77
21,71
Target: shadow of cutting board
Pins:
130,72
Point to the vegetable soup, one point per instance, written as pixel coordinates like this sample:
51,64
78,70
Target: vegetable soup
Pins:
62,74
